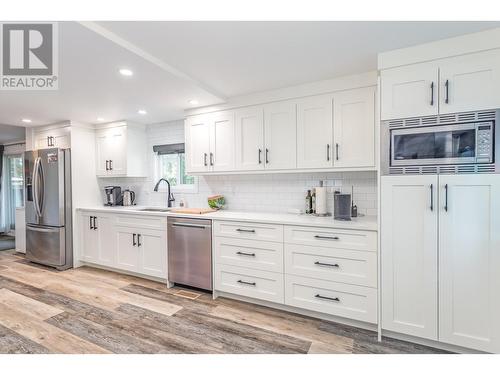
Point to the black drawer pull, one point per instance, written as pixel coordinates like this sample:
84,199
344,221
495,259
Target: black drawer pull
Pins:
326,264
133,239
246,283
326,237
246,254
327,298
246,230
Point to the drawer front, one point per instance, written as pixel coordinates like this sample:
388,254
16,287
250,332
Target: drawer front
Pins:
260,255
138,221
250,231
257,284
332,238
347,301
344,266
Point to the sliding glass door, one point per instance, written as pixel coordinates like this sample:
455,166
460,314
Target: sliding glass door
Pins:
12,189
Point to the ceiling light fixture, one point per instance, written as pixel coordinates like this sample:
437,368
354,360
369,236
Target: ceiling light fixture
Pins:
126,72
26,120
193,102
100,119
141,112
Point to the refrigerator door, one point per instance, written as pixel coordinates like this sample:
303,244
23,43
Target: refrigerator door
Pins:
45,192
46,245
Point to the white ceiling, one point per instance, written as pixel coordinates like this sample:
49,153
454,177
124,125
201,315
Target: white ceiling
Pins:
174,62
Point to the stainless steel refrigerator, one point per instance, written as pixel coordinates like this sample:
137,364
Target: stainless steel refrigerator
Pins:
49,239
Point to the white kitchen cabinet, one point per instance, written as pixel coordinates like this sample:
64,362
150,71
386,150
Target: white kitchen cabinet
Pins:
97,241
314,132
470,82
197,135
54,137
409,91
280,135
127,253
121,151
249,130
469,261
153,252
354,128
409,234
222,141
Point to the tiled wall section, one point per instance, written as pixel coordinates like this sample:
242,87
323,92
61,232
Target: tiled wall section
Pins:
261,192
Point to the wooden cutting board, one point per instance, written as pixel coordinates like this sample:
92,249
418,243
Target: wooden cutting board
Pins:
194,211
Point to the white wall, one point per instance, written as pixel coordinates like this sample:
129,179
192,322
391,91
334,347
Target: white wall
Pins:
260,192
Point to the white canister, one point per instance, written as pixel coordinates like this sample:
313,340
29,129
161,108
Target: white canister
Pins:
321,200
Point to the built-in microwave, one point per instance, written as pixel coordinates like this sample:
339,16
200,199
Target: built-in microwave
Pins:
444,144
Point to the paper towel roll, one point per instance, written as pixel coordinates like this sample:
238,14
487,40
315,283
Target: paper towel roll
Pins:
321,200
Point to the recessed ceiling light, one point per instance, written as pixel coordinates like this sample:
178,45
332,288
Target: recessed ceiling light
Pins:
126,72
100,119
193,102
26,120
141,112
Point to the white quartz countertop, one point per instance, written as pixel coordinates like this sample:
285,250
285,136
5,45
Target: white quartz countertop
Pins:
361,223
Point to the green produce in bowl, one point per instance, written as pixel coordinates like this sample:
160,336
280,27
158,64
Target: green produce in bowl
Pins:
216,202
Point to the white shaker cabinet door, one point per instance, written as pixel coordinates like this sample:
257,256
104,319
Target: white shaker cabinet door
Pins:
409,91
197,134
354,128
89,239
103,154
280,134
106,246
117,143
409,217
470,82
221,156
314,132
153,250
250,138
469,261
128,255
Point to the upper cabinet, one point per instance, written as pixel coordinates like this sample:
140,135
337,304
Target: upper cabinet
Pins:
318,132
50,138
457,84
121,151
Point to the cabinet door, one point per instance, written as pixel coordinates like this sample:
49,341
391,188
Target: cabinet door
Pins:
409,91
469,261
409,237
89,243
117,143
127,252
280,135
222,141
314,132
197,133
62,140
470,82
102,152
153,250
249,138
42,140
354,128
105,240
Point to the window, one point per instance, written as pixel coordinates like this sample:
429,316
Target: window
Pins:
12,190
170,164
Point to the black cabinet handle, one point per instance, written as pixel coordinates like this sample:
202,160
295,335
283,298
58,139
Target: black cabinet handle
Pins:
432,93
139,244
111,165
446,197
447,87
326,237
336,151
327,298
328,152
52,141
211,159
205,159
95,222
48,141
260,154
327,264
432,197
133,239
267,156
246,230
246,254
246,283
91,226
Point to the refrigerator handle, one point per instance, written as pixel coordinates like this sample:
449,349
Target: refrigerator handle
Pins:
35,187
42,186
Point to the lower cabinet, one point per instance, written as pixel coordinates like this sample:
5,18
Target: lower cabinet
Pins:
130,248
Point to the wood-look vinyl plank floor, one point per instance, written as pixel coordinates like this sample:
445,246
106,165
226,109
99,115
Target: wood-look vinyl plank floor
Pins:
88,310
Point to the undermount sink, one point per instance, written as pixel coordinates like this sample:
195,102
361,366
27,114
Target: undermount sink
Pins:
156,209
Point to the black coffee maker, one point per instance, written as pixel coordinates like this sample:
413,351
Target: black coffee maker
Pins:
113,195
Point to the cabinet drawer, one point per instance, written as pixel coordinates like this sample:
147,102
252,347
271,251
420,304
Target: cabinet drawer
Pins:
250,283
252,231
260,255
348,301
332,238
146,222
345,266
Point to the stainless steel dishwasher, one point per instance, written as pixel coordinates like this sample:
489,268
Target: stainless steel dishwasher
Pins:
190,252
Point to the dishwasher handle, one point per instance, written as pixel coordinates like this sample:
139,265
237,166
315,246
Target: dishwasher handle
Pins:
187,225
